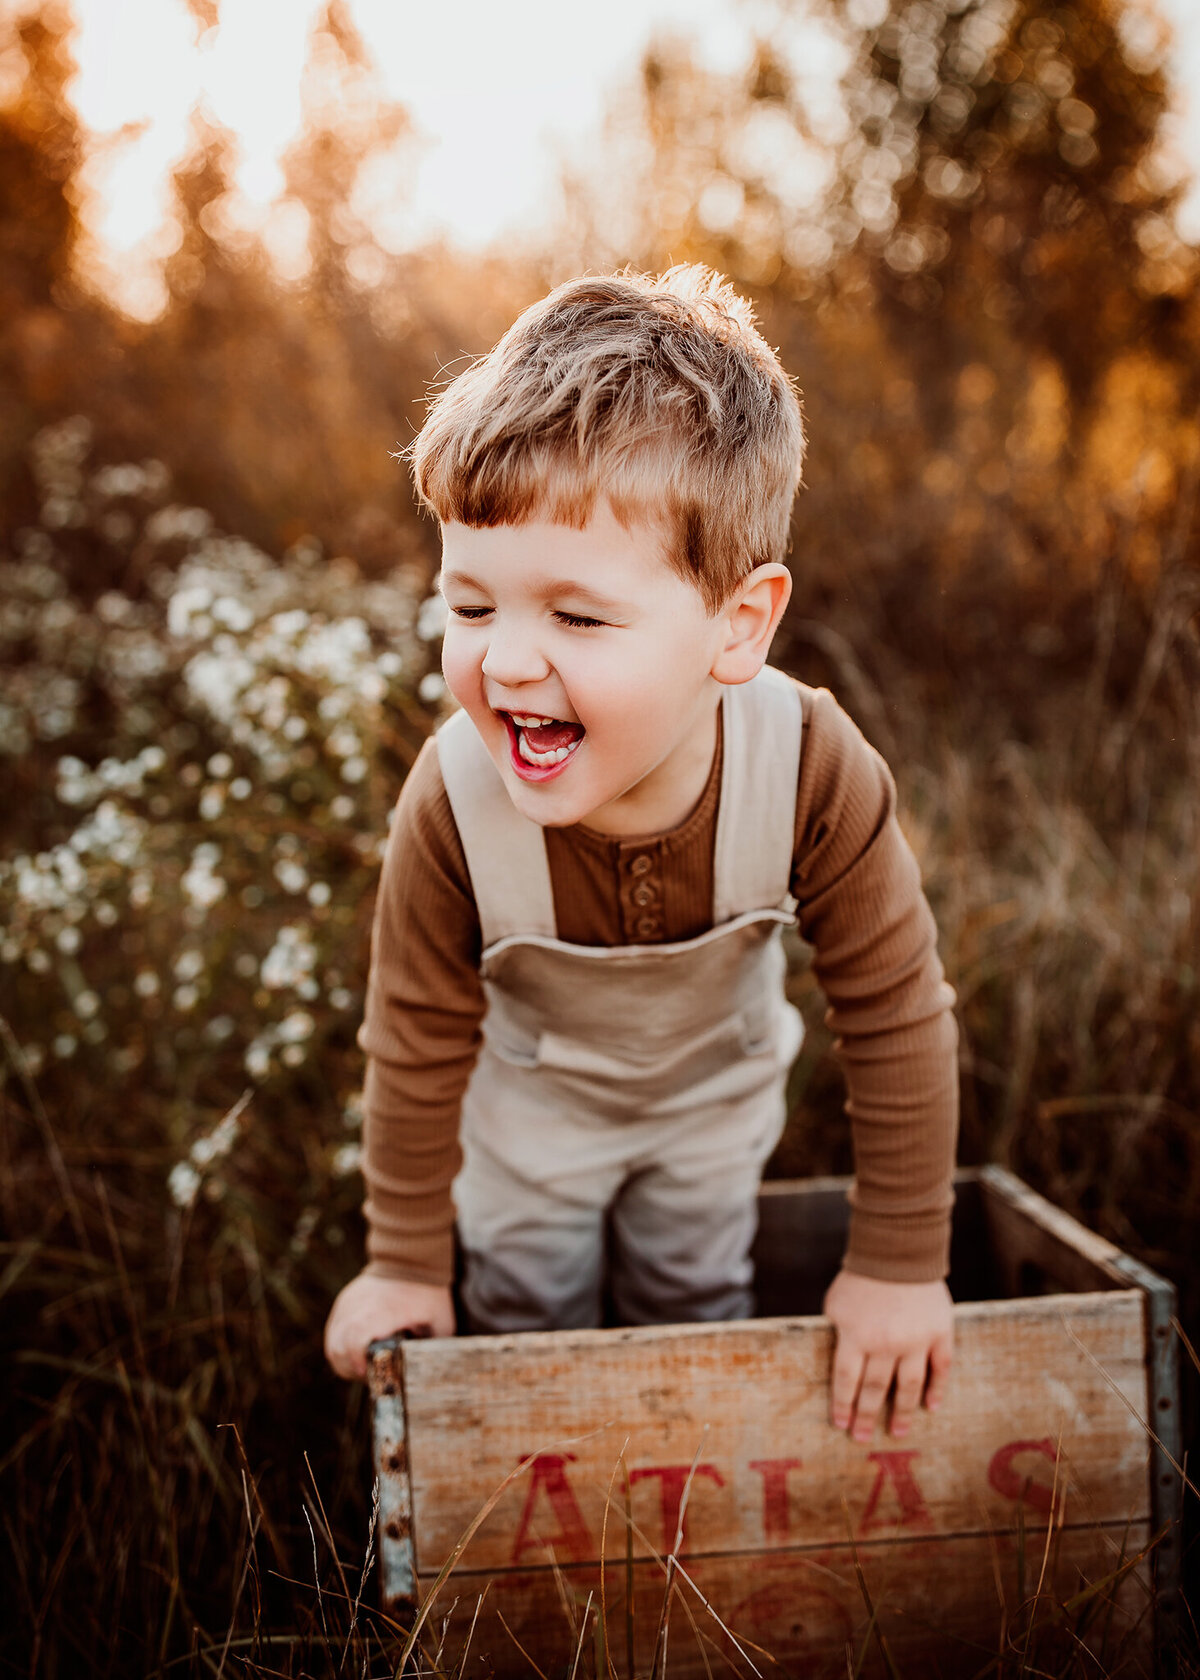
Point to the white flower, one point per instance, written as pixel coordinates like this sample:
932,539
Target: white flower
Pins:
125,479
319,893
183,1182
290,960
201,886
347,1159
431,618
288,624
219,765
145,983
344,742
354,770
68,941
86,1005
232,613
217,680
296,1027
292,876
334,651
258,1058
431,687
203,1151
189,965
185,606
185,523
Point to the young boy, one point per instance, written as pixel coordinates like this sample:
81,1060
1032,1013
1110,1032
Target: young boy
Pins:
575,1016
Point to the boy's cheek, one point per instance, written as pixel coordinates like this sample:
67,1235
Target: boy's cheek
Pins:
457,670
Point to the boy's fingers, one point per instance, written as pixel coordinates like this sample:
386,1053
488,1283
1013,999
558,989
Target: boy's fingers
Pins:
910,1380
941,1357
877,1379
847,1374
345,1352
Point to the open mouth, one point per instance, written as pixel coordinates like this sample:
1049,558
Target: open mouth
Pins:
540,746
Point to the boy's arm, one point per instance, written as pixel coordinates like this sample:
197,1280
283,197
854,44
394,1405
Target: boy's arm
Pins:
421,1036
861,906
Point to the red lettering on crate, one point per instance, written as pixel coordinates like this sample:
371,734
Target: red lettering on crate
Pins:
673,1478
895,1469
774,1472
1008,1480
547,1474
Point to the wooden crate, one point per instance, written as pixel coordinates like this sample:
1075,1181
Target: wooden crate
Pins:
573,1459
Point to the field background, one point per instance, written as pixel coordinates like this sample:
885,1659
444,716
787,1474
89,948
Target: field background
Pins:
218,657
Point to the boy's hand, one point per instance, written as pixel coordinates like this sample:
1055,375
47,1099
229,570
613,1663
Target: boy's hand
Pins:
887,1332
370,1308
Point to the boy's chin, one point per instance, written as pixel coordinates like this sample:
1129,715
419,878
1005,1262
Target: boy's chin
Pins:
545,803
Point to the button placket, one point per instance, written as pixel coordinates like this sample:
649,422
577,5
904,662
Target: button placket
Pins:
640,885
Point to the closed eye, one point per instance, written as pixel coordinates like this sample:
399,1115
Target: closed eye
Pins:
470,612
578,622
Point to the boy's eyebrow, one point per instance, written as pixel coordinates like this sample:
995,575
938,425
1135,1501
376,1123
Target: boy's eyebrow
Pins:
558,587
549,590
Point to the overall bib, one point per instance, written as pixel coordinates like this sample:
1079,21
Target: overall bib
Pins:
626,1098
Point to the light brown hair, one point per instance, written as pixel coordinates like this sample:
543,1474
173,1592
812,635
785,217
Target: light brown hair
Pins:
657,392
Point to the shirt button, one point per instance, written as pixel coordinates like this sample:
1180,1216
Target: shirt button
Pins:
641,864
648,926
643,894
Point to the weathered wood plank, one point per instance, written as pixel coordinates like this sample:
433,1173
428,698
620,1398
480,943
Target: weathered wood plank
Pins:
747,1404
1036,1248
944,1607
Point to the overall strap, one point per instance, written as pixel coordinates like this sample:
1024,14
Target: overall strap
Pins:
756,821
505,852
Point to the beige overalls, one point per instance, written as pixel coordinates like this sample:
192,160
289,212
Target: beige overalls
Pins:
626,1098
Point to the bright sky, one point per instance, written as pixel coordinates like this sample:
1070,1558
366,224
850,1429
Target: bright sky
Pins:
496,91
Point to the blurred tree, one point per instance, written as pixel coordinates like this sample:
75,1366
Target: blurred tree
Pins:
288,362
1005,167
956,216
39,228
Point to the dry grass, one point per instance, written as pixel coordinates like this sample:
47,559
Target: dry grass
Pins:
185,1487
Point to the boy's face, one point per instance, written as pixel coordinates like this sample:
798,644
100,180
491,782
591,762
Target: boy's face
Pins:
585,663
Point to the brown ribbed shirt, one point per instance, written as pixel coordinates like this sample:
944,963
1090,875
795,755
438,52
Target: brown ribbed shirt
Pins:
859,904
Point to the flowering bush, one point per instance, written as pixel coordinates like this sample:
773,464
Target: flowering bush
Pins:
206,759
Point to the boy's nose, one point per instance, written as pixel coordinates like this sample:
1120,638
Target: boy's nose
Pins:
513,658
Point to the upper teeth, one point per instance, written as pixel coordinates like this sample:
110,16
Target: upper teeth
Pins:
530,722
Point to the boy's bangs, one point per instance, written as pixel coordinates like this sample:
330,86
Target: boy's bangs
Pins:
514,487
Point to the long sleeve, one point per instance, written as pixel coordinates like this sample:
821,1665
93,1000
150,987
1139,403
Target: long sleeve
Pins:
421,1033
875,955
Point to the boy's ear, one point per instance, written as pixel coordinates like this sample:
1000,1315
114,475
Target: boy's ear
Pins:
751,617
